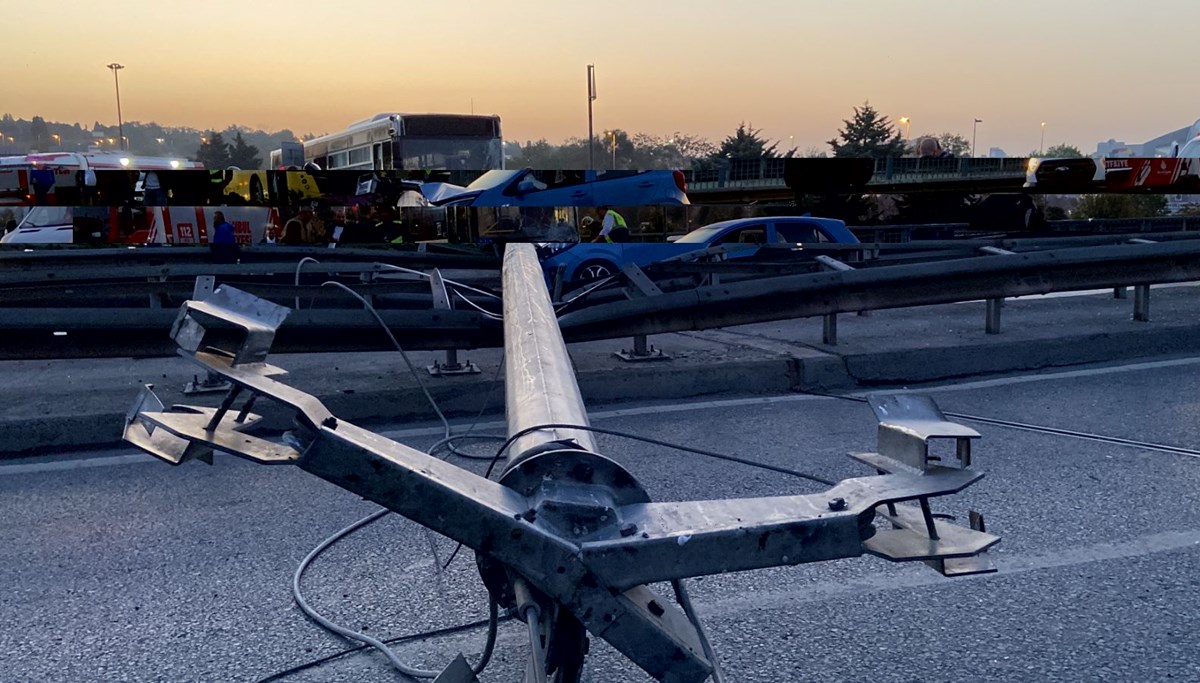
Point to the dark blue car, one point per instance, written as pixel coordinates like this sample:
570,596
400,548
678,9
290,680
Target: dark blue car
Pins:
587,261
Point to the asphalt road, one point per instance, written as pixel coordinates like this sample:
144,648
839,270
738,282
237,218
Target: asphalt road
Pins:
115,568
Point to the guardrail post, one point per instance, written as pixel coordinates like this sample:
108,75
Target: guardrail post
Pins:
441,300
829,324
158,298
992,325
212,382
829,329
640,285
1141,303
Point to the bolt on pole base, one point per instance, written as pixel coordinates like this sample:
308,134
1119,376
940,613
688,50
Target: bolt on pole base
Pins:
642,351
452,366
440,369
211,383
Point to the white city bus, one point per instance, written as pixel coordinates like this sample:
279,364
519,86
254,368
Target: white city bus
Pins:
429,142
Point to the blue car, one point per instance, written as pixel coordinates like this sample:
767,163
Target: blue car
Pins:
563,188
588,261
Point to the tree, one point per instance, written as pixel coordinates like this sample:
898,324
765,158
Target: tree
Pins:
214,152
243,155
39,134
953,143
867,134
1059,151
746,143
1121,206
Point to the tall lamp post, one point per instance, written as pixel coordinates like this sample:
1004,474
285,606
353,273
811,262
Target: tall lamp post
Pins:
907,129
117,82
1042,144
974,132
591,79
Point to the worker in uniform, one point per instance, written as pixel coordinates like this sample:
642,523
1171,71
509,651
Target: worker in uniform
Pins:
392,230
612,227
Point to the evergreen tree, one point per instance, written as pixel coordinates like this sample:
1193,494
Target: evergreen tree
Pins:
746,143
244,156
867,134
214,153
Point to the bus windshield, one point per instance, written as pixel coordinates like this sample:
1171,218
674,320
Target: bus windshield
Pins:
450,154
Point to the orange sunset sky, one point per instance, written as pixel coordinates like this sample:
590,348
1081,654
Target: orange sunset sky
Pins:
1090,69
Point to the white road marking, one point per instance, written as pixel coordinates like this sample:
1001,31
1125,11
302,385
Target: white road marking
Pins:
131,457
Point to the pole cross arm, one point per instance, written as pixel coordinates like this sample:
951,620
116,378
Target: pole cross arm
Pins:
565,526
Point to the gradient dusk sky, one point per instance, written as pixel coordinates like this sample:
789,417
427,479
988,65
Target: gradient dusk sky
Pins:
1091,69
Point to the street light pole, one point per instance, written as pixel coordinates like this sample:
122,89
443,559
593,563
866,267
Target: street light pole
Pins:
1042,144
907,129
591,79
117,82
974,132
614,150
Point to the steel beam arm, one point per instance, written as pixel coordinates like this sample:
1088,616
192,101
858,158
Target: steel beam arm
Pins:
698,538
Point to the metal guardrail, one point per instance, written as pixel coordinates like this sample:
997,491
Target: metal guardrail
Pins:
770,173
678,307
923,284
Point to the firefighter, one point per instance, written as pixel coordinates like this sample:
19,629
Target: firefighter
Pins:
612,227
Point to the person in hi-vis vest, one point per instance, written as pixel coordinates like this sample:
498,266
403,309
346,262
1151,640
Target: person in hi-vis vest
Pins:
612,227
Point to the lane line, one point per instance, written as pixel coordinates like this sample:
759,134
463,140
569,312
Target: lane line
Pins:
132,457
1170,541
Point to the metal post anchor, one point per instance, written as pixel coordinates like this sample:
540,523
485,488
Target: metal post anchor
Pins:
640,286
642,351
452,366
211,383
441,300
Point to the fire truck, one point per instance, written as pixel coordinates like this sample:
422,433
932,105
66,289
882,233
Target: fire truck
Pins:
136,225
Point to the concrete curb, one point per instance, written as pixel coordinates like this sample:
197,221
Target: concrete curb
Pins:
666,380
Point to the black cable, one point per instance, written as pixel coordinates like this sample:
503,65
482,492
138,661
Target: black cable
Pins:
698,451
398,640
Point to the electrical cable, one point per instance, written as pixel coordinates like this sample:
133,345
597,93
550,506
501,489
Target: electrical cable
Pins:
665,444
298,594
481,309
328,625
1054,431
398,640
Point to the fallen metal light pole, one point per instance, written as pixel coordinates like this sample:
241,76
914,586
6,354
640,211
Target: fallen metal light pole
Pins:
568,534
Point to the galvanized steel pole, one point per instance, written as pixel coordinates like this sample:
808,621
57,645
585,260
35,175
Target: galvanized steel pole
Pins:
539,380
